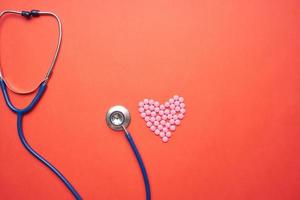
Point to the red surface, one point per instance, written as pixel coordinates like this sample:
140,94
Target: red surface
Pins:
235,62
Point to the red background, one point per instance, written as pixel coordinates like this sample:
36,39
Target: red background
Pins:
235,62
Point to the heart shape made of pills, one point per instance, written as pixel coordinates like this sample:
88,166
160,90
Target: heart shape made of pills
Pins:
162,119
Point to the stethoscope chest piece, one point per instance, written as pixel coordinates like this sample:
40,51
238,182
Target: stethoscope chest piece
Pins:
118,118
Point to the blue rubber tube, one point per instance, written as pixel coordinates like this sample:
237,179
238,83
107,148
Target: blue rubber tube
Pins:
142,166
20,113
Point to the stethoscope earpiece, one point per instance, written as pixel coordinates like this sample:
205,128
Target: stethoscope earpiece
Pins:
40,91
117,117
29,15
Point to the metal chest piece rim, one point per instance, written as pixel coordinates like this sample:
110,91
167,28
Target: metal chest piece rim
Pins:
118,118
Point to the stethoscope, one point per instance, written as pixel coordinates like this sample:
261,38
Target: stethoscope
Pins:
117,117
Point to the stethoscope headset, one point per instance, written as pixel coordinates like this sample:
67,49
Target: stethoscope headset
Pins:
117,117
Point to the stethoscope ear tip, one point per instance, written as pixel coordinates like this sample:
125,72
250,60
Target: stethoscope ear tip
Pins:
118,118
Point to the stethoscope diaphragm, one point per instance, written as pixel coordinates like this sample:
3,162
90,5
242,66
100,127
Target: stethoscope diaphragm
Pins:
118,118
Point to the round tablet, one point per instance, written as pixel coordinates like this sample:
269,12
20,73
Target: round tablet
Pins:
151,101
168,134
162,134
172,128
149,124
152,128
180,116
158,118
165,139
156,132
153,114
177,122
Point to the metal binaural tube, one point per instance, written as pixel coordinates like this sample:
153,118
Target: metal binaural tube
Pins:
30,14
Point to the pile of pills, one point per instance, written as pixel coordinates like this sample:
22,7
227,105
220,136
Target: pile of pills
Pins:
163,119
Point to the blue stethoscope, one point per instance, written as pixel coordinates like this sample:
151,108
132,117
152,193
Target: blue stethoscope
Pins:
117,117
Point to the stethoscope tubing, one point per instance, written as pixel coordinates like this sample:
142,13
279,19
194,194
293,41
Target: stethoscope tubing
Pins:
141,164
40,91
20,114
38,96
43,160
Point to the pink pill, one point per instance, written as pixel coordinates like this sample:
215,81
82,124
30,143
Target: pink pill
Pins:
182,105
158,118
162,134
177,122
156,123
143,115
175,117
177,108
156,109
151,101
180,116
141,109
165,130
156,103
164,117
172,106
165,139
153,114
147,118
170,116
167,104
160,127
148,112
162,122
172,128
146,101
175,97
146,107
181,99
182,110
167,111
171,101
152,119
173,112
168,125
152,128
149,124
151,107
168,134
141,104
161,112
177,103
157,132
172,121
162,107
